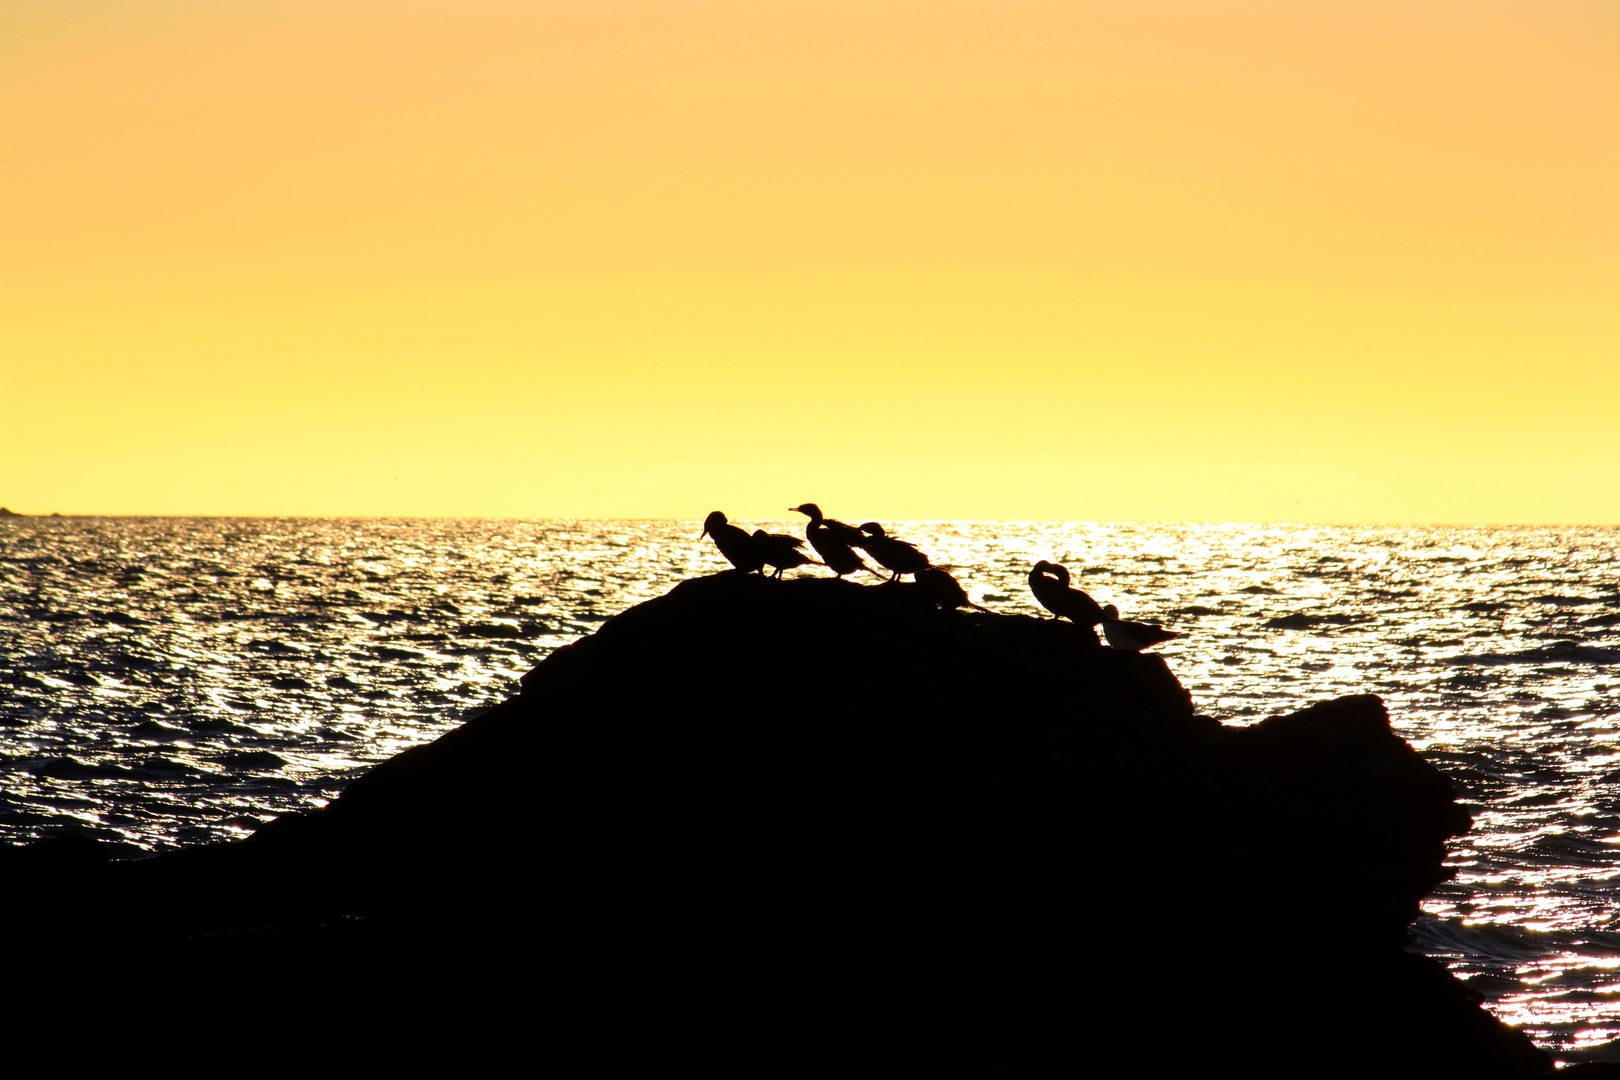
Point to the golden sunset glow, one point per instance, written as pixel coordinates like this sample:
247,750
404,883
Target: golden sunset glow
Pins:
1099,261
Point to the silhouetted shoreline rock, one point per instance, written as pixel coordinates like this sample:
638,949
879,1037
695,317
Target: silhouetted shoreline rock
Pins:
764,826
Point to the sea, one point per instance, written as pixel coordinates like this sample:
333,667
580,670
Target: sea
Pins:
167,682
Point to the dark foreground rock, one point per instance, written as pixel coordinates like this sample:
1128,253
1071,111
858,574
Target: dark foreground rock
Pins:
764,827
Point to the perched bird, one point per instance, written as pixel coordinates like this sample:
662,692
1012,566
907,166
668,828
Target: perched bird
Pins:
1050,584
737,546
780,550
891,554
849,534
936,583
833,541
1134,636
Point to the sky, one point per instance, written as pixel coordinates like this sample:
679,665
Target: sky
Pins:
1294,261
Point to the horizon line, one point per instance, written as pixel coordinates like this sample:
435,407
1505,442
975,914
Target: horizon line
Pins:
8,515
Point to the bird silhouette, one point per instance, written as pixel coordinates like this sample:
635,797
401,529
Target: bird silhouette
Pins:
936,583
780,550
736,545
891,554
1134,636
1050,584
833,541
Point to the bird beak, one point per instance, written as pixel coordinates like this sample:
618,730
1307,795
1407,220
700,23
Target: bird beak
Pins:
704,533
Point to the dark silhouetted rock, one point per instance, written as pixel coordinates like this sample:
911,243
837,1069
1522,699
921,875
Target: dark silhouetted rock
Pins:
756,827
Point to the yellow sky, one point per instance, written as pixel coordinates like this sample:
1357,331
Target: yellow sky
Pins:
1190,261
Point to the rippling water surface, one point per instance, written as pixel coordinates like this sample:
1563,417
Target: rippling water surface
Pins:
171,681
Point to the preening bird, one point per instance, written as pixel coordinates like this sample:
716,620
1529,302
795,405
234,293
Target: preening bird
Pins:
1134,636
736,545
938,585
891,554
1050,584
832,540
780,550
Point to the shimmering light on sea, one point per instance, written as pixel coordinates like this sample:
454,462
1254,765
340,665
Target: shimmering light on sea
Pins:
173,681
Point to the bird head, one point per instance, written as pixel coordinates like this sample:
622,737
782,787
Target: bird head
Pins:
1052,569
1111,613
713,521
810,510
872,528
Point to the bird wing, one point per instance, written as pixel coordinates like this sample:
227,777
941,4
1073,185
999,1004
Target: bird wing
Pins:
1152,631
846,532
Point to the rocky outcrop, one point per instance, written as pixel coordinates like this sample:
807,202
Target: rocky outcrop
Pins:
759,825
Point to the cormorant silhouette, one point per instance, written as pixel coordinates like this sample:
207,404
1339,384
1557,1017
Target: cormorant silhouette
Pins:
780,550
1134,636
1050,584
939,586
833,541
737,546
895,555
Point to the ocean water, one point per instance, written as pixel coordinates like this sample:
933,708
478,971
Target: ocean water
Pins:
170,681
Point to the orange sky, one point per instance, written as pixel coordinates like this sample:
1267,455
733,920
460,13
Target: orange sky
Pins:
1216,261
